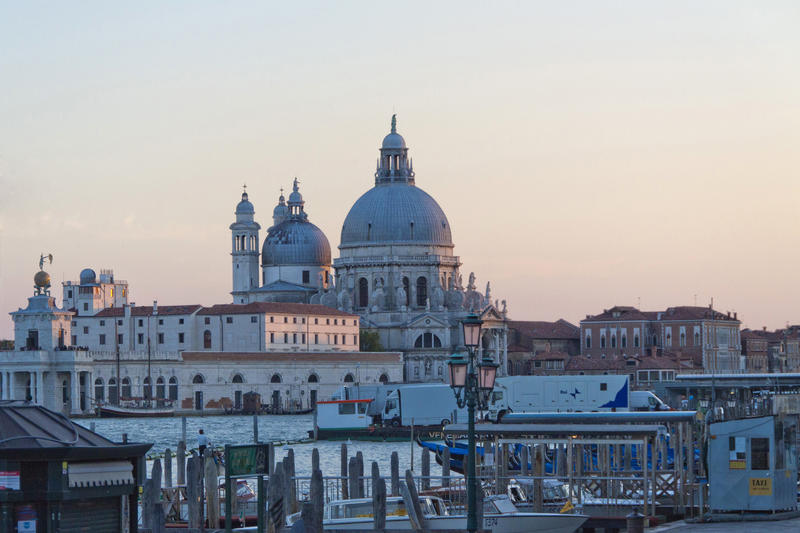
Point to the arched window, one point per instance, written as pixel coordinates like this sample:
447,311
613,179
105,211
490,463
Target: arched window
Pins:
683,338
238,378
198,379
624,341
588,341
99,391
349,378
173,388
147,389
407,288
428,340
275,378
161,392
207,340
112,390
602,341
363,292
697,338
126,388
669,339
636,341
384,378
422,291
613,341
655,340
313,378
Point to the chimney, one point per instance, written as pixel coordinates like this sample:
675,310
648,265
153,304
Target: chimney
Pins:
764,328
734,316
155,307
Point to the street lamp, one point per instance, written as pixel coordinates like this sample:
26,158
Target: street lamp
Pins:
472,383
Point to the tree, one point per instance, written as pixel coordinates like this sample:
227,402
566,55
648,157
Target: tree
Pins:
370,341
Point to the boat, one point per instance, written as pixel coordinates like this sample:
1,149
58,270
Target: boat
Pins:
350,419
134,410
499,515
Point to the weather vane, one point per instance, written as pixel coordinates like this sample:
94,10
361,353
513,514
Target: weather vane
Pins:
42,257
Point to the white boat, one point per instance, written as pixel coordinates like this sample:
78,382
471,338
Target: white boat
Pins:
500,516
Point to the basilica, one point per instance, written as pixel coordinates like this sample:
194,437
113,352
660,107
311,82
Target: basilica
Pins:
396,267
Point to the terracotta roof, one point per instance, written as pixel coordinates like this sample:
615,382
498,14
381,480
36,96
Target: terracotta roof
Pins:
147,310
296,357
273,307
549,356
683,312
620,364
537,329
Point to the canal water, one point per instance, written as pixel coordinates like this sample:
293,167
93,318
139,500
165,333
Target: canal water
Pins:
221,430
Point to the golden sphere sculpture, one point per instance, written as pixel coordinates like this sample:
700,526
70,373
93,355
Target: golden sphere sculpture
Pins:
41,279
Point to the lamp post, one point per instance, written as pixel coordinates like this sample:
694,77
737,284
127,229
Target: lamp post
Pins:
472,383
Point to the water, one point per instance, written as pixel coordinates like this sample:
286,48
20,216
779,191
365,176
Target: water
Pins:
221,430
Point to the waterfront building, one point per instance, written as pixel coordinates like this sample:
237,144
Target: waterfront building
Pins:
771,351
199,358
397,270
541,347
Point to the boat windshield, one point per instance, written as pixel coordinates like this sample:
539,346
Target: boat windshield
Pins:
364,509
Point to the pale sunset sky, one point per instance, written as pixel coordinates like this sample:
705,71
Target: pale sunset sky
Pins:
587,154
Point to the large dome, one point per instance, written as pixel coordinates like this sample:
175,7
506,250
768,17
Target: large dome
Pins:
295,242
396,213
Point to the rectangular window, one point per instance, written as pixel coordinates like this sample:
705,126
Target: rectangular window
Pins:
271,337
85,329
74,323
328,321
69,294
286,338
253,319
85,306
336,339
604,386
140,338
120,339
272,319
102,322
229,320
160,321
180,321
294,320
335,321
306,276
286,320
537,364
316,321
355,340
303,320
141,322
119,322
207,320
102,339
294,338
160,338
303,340
348,409
316,338
180,338
759,453
74,340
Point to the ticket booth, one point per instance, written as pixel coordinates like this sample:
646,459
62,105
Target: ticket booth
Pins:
56,475
752,464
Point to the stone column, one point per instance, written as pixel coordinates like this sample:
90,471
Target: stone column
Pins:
3,386
75,396
39,387
10,381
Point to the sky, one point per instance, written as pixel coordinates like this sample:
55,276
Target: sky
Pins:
587,154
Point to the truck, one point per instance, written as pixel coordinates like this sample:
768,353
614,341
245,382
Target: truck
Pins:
532,394
425,405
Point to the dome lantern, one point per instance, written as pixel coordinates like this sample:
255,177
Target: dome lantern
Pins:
393,165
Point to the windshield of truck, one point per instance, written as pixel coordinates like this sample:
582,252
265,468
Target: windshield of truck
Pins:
390,405
362,408
497,396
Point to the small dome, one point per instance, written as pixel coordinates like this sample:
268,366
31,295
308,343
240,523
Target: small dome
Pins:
245,207
295,242
393,141
281,210
41,279
88,276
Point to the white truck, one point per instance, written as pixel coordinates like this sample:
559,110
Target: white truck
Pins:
532,394
425,405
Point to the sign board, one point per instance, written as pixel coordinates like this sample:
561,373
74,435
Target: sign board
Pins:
9,479
252,459
760,486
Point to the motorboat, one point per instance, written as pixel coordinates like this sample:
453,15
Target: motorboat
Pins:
499,515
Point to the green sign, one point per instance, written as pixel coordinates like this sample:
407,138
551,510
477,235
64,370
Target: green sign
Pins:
246,460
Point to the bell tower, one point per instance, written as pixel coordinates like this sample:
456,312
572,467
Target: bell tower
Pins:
244,250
